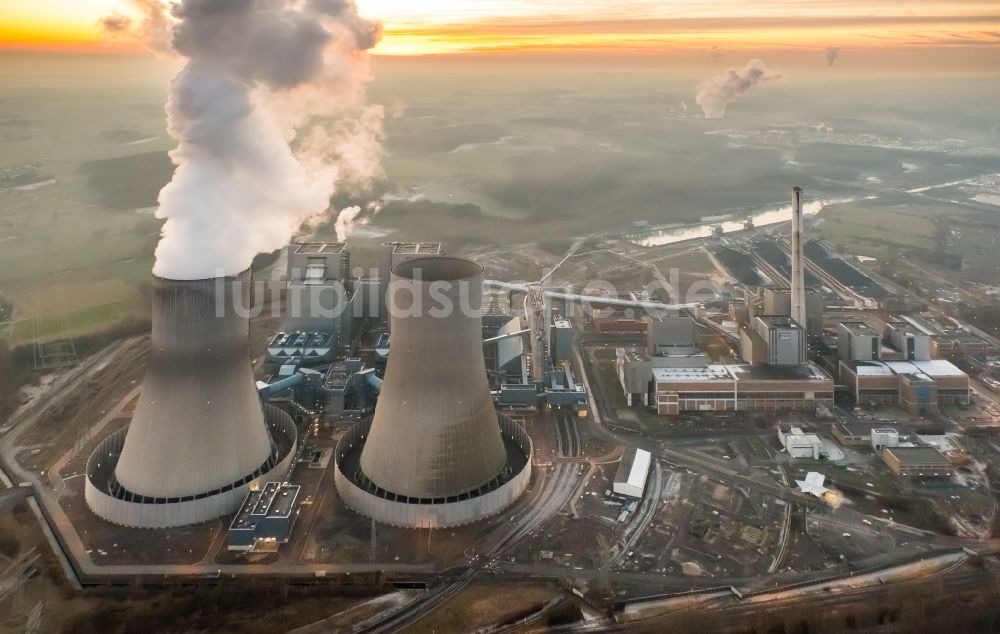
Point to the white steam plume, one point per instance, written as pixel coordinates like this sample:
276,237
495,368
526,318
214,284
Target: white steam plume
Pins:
716,93
349,219
832,54
270,117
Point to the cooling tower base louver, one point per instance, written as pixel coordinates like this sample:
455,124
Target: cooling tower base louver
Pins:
360,495
112,502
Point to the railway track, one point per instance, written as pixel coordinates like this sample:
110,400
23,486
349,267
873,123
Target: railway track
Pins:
556,492
646,512
569,440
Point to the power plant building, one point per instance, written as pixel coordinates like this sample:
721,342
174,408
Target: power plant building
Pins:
436,453
510,351
857,341
319,276
725,387
775,377
946,339
911,343
753,348
920,387
669,334
302,348
635,370
784,339
323,296
778,301
266,518
199,438
563,340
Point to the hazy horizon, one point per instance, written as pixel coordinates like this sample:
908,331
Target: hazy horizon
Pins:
487,150
552,25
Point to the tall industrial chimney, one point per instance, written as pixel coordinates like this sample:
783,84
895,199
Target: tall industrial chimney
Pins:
798,261
436,453
199,436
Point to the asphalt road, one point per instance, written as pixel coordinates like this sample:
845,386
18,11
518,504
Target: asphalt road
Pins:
9,498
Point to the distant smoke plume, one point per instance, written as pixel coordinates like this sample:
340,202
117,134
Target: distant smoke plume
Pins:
152,26
716,93
115,24
832,54
270,117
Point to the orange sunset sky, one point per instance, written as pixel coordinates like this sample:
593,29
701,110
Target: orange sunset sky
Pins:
426,27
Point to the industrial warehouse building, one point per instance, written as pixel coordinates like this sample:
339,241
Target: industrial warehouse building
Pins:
946,340
680,378
865,434
919,387
800,444
917,462
633,471
721,388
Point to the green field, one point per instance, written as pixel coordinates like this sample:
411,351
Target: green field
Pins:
864,221
75,254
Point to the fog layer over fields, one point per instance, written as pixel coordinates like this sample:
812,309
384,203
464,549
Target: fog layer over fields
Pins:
482,151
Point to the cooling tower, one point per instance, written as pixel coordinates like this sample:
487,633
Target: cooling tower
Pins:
199,436
436,452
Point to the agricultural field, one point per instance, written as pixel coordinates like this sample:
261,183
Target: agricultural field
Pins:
864,224
76,229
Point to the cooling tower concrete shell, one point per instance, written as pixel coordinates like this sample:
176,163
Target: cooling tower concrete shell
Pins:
198,434
435,454
435,433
